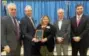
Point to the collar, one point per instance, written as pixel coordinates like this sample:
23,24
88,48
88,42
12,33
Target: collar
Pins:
79,15
30,17
60,20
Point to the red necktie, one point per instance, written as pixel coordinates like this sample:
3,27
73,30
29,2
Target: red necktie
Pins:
78,21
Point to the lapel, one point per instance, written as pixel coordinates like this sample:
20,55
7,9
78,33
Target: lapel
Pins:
57,26
75,22
11,22
62,26
30,23
47,29
81,21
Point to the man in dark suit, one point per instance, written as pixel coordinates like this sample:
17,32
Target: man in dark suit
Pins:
10,32
79,30
28,31
63,33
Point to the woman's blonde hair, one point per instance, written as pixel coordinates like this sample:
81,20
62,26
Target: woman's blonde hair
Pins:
43,18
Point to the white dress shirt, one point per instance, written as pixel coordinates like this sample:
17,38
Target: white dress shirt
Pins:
59,24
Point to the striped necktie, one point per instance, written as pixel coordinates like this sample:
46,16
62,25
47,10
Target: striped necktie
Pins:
32,22
17,30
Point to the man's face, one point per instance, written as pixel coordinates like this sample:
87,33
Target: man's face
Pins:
61,15
28,12
12,11
79,10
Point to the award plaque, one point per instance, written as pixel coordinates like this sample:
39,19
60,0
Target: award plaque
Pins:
39,34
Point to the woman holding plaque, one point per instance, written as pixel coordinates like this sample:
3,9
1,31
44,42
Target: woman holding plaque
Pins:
45,45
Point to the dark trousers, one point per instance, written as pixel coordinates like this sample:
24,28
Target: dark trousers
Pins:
36,50
39,50
27,47
79,47
16,52
2,49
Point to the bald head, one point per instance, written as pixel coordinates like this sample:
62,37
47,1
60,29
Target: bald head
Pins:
11,8
60,13
28,10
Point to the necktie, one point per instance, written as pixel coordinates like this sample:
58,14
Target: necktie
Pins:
16,28
32,22
78,20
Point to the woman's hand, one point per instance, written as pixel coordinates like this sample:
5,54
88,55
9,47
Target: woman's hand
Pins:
35,40
44,40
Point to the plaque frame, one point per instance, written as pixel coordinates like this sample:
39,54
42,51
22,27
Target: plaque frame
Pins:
39,31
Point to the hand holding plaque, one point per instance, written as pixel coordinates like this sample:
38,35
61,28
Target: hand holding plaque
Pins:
44,40
39,34
35,40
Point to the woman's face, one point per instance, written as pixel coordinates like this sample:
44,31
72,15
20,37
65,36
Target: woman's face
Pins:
45,20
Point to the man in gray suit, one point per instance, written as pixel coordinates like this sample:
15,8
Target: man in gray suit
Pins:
10,32
63,33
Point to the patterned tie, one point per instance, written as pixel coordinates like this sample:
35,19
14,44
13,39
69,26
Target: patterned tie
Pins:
32,22
16,28
78,21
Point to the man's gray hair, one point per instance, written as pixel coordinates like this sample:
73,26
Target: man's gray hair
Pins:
60,10
28,7
9,5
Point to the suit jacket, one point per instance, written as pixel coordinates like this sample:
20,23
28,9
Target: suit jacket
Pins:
27,29
49,33
82,30
65,30
8,33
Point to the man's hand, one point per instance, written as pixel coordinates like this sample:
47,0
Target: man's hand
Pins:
76,39
7,48
44,40
59,39
35,40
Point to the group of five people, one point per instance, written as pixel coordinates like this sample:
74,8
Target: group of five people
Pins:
59,34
